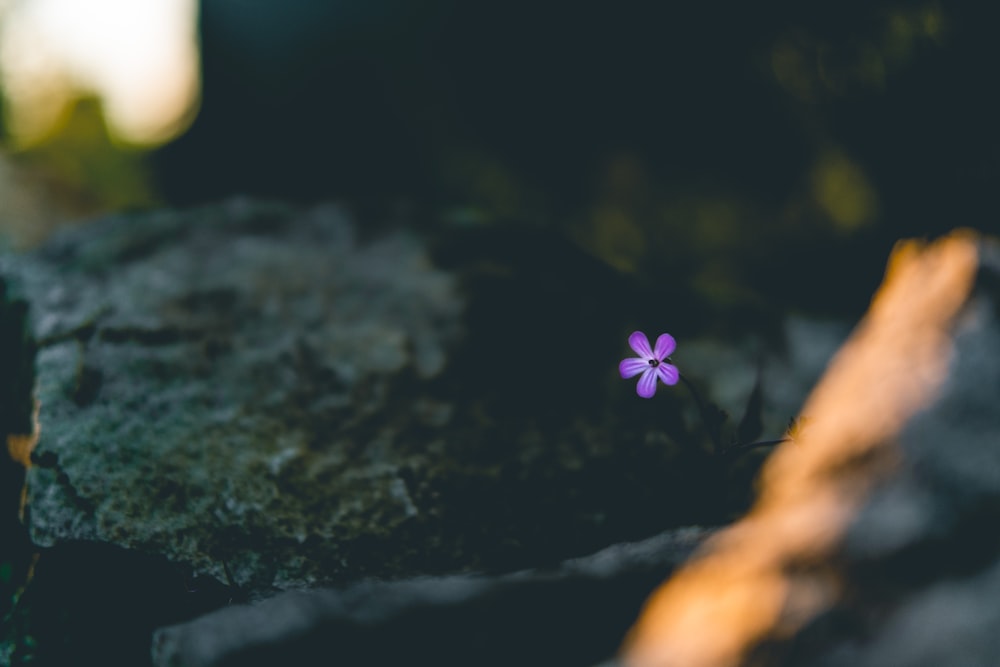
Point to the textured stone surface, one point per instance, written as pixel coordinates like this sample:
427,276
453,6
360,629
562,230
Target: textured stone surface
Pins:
207,384
261,400
872,541
252,387
570,615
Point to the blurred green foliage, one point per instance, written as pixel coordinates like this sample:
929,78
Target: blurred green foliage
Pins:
96,173
79,172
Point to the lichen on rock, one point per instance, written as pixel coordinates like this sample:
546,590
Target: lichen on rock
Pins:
207,381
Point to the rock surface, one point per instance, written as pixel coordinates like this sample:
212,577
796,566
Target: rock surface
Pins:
207,386
255,393
568,615
260,398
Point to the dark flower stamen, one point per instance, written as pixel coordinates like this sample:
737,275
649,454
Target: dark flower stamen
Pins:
654,362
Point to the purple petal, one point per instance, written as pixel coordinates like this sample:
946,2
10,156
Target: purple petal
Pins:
632,366
640,344
647,383
668,373
665,345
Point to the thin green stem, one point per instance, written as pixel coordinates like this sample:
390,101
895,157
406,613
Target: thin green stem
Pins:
706,415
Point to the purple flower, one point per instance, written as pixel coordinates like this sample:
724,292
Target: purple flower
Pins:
650,363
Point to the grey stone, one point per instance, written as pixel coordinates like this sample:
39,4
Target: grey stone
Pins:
564,616
206,384
253,392
259,396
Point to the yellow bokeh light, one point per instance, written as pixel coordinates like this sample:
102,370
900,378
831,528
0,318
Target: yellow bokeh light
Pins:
842,190
616,238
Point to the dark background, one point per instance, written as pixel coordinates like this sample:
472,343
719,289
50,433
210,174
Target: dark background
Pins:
753,155
676,141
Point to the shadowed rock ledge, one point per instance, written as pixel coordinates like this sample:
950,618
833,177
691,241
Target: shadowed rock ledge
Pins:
206,386
248,398
255,392
568,615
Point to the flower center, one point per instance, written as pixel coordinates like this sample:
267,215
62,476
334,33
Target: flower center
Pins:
654,362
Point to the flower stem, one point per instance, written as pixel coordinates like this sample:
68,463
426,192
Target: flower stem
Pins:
706,415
